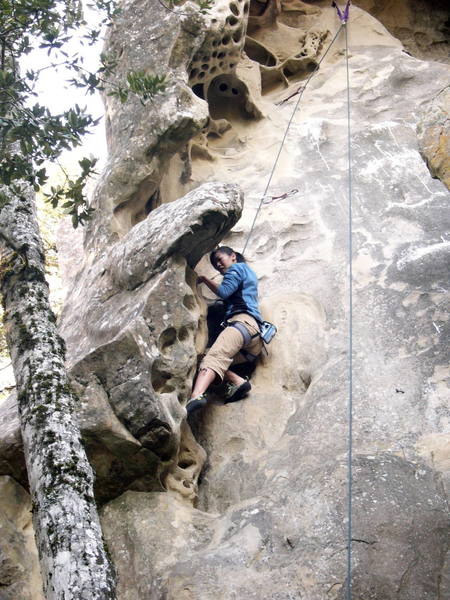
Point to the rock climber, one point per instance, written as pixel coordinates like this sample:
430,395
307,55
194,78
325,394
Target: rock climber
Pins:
240,340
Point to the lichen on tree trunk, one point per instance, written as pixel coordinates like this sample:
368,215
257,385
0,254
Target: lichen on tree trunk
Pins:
73,559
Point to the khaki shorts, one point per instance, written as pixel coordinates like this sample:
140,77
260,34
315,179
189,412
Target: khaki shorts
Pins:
225,350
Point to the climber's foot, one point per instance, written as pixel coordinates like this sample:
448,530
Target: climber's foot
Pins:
196,403
237,392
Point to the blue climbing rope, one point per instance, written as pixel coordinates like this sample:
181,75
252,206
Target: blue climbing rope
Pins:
350,332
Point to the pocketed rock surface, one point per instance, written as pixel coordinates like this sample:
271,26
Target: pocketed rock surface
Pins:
268,516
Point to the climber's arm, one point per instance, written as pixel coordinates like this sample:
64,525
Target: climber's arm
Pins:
229,285
209,283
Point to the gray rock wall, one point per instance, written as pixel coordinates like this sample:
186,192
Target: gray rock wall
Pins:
272,514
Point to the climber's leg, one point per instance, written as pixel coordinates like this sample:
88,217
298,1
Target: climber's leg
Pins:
237,388
233,377
204,379
221,354
214,364
217,361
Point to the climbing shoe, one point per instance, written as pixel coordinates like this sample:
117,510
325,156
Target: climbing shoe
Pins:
233,392
196,403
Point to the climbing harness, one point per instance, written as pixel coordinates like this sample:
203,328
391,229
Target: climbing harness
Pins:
247,338
265,199
267,332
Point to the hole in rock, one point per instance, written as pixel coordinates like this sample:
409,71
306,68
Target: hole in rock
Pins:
306,377
185,464
237,35
160,379
205,67
234,8
259,53
183,333
246,8
146,200
226,40
201,75
214,54
189,302
271,79
298,67
257,9
108,128
186,484
232,21
194,72
153,202
158,437
167,338
228,99
199,90
221,55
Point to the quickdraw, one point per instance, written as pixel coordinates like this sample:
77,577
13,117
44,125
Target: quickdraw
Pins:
342,15
270,199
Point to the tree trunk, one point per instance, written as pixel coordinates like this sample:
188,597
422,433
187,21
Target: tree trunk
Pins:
73,560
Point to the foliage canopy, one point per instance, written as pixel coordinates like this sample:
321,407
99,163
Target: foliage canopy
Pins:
30,135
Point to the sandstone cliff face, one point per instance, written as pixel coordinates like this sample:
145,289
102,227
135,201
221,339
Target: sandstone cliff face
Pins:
269,514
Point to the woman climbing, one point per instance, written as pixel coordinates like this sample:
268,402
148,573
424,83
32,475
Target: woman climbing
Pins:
240,340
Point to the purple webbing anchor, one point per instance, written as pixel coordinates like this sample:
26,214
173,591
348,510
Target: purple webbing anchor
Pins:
342,15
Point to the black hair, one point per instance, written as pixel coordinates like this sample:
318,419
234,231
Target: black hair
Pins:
226,250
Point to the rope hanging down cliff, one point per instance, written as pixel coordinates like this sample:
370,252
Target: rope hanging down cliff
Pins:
343,17
350,331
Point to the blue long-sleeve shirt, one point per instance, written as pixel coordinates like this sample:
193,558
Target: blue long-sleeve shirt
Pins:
239,289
